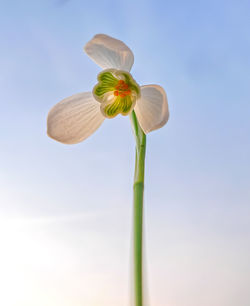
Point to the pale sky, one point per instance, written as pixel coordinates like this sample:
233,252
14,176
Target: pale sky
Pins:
65,211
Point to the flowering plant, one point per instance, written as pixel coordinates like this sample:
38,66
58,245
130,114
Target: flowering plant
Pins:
77,117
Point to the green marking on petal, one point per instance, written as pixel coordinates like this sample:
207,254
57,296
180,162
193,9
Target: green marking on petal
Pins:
126,105
119,106
112,110
102,89
131,82
117,92
108,78
107,82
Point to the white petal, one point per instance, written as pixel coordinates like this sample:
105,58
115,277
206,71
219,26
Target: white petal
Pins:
108,52
152,108
74,119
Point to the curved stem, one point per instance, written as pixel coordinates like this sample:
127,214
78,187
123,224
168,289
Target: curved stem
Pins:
140,138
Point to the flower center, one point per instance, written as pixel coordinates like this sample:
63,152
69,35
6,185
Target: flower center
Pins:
122,89
117,92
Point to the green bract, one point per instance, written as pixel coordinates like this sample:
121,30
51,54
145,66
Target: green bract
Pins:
117,92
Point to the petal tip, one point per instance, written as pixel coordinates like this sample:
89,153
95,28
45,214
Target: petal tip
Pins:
109,52
74,119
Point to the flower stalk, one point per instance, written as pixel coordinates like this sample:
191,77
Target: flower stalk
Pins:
140,138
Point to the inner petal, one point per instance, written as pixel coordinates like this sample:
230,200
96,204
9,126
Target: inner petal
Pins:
117,92
121,105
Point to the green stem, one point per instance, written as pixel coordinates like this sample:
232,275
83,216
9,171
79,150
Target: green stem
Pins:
140,138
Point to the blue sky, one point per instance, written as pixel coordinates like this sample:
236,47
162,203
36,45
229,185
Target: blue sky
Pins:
66,210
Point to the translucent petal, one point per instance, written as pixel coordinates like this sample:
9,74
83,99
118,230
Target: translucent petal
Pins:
152,108
74,119
108,52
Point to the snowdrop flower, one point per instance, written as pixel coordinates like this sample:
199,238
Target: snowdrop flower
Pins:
77,117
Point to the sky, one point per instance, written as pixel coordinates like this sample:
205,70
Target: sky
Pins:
66,211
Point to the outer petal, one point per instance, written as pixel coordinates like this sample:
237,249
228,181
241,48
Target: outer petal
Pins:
74,119
108,52
152,108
